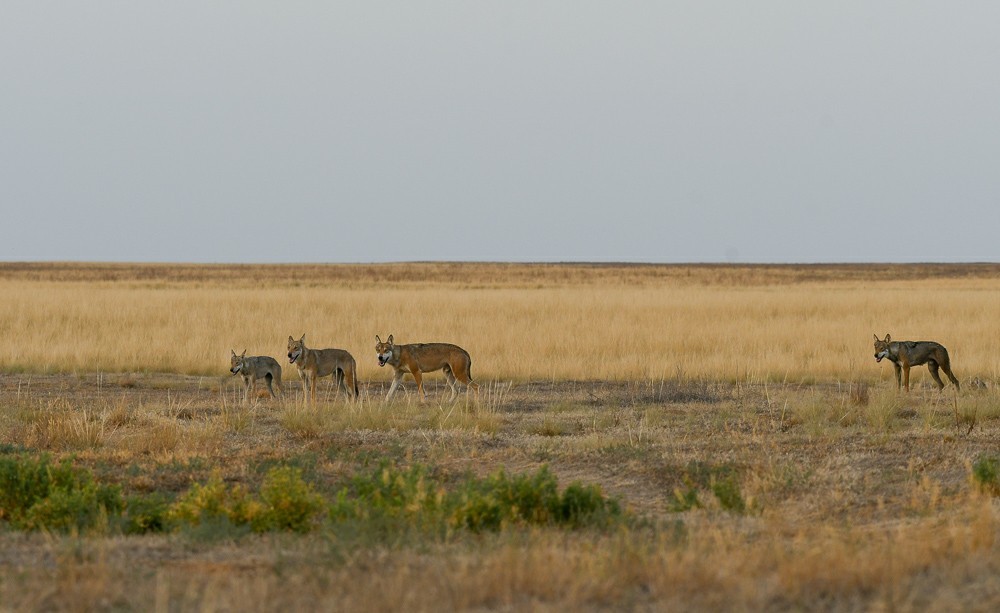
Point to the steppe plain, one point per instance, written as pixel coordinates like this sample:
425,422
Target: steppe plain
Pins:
763,459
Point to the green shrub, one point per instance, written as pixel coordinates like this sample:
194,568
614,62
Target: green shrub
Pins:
286,502
391,498
727,491
583,505
145,514
986,473
686,499
37,495
211,502
388,493
289,503
721,479
499,501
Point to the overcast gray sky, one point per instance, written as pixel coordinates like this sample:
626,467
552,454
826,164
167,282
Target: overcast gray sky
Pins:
364,131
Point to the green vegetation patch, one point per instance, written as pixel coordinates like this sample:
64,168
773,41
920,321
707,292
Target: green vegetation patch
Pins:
722,480
36,494
416,498
986,474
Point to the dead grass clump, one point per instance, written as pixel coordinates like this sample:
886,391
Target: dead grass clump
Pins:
858,393
981,407
60,428
469,416
883,409
125,414
236,419
128,381
306,421
815,413
159,436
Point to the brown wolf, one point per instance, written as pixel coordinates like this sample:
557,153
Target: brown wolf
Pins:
419,358
314,363
255,367
904,354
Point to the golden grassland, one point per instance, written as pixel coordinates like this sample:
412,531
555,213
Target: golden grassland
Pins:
656,383
519,322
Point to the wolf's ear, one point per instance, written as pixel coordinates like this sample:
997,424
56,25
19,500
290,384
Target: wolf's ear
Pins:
389,340
244,353
887,338
876,337
290,340
234,351
378,341
303,339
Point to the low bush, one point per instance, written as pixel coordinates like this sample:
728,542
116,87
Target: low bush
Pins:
286,502
389,502
36,494
147,513
722,480
211,502
986,474
415,498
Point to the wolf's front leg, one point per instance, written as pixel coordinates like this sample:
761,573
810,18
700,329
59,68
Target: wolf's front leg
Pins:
395,383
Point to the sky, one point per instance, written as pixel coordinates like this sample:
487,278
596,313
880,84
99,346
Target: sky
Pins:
674,131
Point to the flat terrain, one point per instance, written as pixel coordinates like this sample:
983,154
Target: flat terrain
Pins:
865,502
753,488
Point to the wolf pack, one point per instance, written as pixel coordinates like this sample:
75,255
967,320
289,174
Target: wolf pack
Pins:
413,359
418,358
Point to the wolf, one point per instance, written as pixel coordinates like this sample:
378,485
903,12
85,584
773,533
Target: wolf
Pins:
253,368
314,363
904,354
419,358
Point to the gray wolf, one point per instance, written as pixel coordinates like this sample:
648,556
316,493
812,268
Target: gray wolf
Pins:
315,363
253,368
419,358
904,354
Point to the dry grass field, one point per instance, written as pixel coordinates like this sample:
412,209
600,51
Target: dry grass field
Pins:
763,460
519,322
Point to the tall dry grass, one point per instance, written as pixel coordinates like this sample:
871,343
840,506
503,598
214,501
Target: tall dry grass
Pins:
519,322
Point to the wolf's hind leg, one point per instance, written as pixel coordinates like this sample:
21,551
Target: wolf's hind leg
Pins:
951,376
452,381
338,375
933,367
